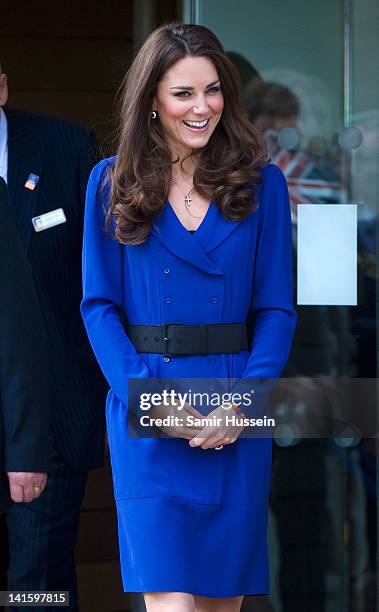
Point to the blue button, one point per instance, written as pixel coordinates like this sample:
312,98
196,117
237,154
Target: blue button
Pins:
167,300
214,300
167,270
212,360
166,359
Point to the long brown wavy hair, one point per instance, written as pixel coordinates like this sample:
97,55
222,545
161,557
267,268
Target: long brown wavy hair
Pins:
226,168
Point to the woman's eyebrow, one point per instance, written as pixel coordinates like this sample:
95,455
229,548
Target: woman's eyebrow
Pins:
190,87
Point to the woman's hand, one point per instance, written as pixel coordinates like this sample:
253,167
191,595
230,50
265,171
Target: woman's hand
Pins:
212,436
180,427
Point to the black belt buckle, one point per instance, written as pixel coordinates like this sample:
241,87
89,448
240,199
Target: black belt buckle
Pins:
165,338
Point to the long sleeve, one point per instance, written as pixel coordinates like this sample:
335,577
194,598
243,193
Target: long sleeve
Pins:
272,308
103,293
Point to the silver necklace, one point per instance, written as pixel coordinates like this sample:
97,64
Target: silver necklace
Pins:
187,198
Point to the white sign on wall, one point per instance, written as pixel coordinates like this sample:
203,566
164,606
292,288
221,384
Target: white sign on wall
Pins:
327,254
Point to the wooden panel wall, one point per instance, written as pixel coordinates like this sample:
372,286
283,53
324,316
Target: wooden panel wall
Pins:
67,58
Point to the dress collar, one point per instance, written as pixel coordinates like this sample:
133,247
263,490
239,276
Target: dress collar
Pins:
194,248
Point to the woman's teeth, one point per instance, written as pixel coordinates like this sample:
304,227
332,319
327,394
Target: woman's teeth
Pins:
197,124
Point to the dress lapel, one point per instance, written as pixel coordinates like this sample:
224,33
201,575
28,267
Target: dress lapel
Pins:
24,158
193,248
214,229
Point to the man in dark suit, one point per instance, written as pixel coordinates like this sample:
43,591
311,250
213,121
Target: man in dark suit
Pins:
24,373
24,380
47,165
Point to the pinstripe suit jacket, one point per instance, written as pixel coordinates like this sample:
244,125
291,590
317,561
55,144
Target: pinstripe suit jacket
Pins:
24,376
61,155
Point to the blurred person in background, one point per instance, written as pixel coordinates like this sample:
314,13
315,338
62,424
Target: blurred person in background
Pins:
326,344
274,109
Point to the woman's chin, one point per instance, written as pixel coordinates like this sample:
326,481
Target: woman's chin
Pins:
197,143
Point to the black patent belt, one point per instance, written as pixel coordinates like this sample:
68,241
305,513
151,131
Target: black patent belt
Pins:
175,339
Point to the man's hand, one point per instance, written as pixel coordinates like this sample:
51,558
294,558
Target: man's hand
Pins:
26,486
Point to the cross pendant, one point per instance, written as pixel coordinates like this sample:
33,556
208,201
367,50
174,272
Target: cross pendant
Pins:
187,200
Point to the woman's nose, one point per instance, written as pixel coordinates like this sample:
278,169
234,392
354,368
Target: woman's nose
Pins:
200,106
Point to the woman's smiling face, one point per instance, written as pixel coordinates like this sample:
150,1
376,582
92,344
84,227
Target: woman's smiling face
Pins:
189,103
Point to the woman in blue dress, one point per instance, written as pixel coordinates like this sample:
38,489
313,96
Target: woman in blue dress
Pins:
189,223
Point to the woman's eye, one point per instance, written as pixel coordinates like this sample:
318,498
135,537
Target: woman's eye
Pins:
182,94
214,89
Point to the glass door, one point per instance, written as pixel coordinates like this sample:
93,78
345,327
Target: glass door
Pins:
309,75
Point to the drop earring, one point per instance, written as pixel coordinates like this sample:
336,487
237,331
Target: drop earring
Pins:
153,115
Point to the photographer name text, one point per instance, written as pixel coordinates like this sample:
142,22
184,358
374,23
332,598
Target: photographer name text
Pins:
214,421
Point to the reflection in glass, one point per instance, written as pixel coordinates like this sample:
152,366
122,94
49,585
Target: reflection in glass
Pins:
322,499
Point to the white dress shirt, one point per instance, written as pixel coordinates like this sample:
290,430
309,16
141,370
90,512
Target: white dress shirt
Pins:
3,145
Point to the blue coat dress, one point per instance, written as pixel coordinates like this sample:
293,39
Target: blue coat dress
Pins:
189,519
